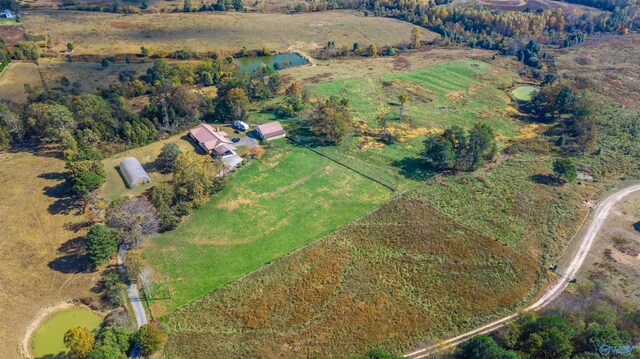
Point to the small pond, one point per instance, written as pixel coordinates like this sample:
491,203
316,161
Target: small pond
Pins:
283,61
48,338
523,93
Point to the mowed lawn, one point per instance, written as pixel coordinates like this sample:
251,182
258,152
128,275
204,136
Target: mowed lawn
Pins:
286,199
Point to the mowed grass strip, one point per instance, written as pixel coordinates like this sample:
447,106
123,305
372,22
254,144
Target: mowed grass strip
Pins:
278,203
460,93
391,279
454,93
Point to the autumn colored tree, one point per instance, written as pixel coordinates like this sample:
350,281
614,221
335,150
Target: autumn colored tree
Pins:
151,338
79,341
233,106
331,120
134,263
194,178
415,38
403,98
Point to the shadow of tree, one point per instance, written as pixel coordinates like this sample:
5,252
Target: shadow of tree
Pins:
73,258
414,168
636,226
65,201
545,179
61,355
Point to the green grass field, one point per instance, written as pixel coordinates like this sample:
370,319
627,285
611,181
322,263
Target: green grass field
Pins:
453,93
450,93
288,198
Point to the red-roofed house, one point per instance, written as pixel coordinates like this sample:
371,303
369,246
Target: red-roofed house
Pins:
270,131
212,141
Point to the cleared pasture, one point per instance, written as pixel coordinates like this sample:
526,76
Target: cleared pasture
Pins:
42,260
13,79
288,198
108,34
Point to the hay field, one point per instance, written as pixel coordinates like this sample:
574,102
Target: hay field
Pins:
41,260
401,274
108,34
13,79
286,199
607,64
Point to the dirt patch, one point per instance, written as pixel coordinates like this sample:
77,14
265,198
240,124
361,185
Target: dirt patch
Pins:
401,63
12,34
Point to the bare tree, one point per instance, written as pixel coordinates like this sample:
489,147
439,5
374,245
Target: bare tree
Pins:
135,219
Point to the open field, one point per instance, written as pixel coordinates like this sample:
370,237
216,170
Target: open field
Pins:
288,198
389,280
11,32
108,34
89,74
607,64
508,203
13,79
614,261
448,93
42,261
114,186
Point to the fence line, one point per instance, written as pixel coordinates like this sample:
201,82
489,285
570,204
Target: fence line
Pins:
393,189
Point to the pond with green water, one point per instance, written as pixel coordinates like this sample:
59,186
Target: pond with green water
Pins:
523,93
278,62
48,338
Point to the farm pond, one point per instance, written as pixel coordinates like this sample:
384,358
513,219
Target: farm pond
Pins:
48,338
279,61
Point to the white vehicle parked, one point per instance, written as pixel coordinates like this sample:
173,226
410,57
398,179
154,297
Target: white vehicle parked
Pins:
240,125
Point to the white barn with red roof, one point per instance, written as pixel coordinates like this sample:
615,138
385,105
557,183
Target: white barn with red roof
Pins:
270,131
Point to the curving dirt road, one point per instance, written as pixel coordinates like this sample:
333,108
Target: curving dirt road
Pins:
599,215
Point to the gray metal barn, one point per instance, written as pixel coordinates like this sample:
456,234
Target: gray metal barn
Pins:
133,173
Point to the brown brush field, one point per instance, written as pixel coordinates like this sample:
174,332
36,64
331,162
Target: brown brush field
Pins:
42,261
13,79
608,64
389,280
108,34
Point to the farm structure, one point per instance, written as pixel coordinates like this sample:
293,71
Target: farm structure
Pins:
133,173
213,141
7,14
270,131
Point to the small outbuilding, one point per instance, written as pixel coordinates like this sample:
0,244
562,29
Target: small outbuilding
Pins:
7,14
270,131
133,173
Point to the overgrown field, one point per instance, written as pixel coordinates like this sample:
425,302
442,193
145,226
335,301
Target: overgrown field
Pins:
459,93
42,261
13,79
388,280
607,64
90,75
284,200
109,34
